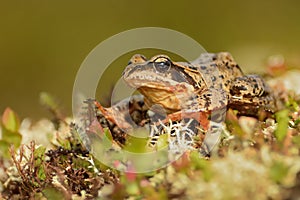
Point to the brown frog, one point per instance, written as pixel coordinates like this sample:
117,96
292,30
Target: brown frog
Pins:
201,89
212,82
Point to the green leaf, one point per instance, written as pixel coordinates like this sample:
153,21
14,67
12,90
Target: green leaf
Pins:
39,157
201,164
136,144
132,188
233,124
50,103
52,193
48,100
10,131
292,103
66,144
296,140
162,141
4,149
282,118
278,171
41,173
11,137
108,134
10,120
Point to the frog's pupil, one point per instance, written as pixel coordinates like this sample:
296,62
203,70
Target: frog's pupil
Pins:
162,66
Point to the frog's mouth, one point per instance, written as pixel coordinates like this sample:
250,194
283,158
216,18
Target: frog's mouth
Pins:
150,82
158,87
166,87
170,98
147,76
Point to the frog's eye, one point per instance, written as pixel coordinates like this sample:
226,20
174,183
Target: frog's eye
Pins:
162,64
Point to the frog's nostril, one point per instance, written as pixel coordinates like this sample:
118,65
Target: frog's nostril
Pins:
130,70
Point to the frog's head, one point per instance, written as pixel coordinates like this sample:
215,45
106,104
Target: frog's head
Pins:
161,80
158,72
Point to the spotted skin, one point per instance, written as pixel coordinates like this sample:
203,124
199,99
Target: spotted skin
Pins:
211,82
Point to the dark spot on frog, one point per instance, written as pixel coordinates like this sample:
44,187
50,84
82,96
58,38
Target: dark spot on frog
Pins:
192,98
221,102
241,87
236,90
192,67
141,103
207,104
203,67
200,82
213,78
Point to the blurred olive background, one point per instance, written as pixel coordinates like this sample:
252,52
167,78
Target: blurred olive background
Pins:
43,43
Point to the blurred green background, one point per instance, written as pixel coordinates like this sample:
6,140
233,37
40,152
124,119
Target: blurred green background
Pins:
43,43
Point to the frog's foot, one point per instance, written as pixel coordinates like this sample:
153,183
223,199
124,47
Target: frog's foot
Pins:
106,112
114,116
211,139
250,94
126,113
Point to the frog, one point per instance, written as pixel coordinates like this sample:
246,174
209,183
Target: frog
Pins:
212,82
203,89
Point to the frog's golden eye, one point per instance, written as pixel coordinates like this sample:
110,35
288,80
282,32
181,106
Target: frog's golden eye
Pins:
162,64
161,59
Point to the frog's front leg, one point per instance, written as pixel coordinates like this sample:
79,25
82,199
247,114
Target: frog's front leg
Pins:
217,104
199,106
209,109
249,94
125,113
215,101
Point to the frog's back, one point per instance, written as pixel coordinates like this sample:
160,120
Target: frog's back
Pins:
218,68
